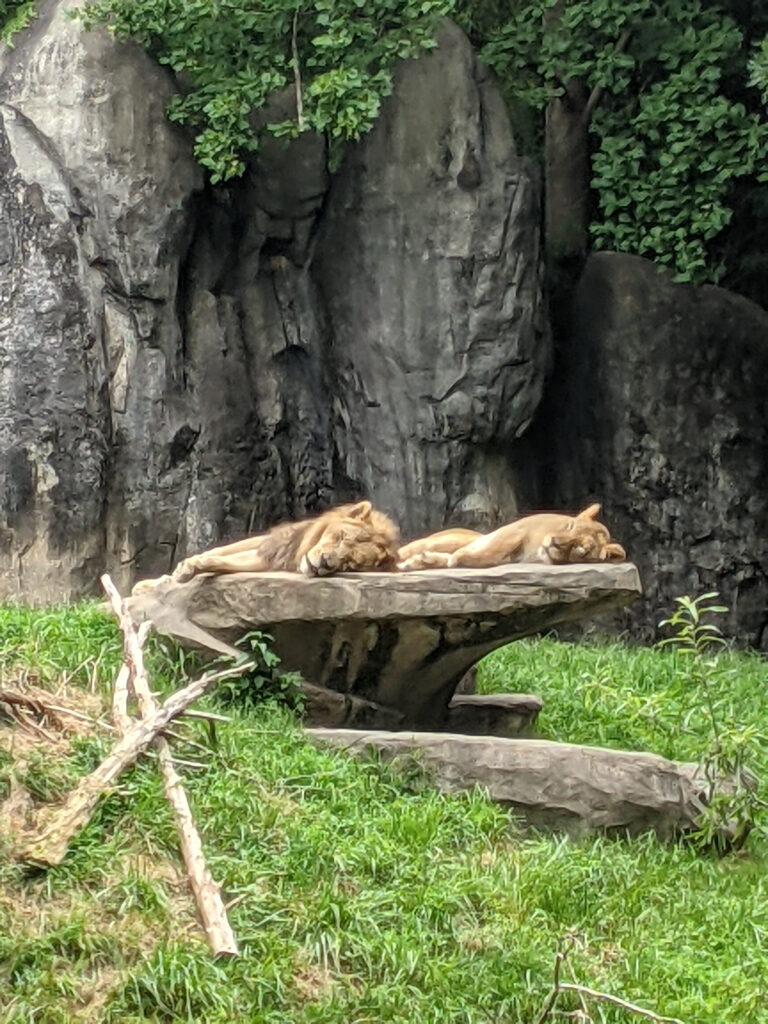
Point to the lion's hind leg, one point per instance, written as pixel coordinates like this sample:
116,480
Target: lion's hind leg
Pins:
484,553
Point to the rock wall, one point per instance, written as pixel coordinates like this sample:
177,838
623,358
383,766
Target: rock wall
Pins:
428,261
93,212
659,409
181,364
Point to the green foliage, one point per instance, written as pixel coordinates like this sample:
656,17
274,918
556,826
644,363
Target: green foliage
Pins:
232,55
758,69
14,16
731,748
684,145
672,134
264,682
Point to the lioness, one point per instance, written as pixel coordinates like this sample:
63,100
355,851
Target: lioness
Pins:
547,537
350,538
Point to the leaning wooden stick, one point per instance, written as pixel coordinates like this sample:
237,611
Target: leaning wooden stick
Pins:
206,891
123,683
63,822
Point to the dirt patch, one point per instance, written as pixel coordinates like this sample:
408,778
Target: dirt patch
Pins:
31,717
313,982
37,720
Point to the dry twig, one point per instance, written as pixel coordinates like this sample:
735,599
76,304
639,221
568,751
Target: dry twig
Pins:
29,712
604,997
297,74
561,957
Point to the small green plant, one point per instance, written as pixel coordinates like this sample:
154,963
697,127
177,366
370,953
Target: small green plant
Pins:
14,16
262,683
731,808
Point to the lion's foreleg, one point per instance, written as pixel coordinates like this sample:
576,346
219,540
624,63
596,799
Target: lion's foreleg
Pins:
209,561
235,548
425,560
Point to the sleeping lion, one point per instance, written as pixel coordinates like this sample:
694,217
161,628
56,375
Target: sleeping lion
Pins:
350,538
547,537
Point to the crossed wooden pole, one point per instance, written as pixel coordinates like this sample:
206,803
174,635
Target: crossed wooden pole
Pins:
61,824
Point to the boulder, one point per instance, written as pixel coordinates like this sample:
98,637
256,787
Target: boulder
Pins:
95,186
329,708
427,258
658,409
401,640
491,714
556,786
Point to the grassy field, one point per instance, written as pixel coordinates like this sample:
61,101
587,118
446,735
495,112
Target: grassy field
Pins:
359,896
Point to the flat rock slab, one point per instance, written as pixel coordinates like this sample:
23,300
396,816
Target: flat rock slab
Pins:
556,786
491,714
402,640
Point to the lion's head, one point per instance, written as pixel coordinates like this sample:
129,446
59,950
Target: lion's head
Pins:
583,540
355,538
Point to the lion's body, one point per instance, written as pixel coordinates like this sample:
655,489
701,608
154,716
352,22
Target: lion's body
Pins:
409,556
547,537
350,538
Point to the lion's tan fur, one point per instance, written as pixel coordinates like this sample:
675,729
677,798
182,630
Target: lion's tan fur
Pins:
350,538
445,542
547,537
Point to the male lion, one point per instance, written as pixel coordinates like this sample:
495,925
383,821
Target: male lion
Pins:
350,538
547,537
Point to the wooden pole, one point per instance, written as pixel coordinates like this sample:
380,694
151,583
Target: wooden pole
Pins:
206,891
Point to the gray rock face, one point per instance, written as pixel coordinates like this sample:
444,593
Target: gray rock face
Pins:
437,329
93,192
659,409
181,365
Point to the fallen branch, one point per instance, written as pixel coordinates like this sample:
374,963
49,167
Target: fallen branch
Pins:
604,997
29,711
171,734
206,891
206,716
132,645
63,822
561,958
81,717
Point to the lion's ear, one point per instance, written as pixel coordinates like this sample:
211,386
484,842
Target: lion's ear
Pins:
614,553
592,512
360,511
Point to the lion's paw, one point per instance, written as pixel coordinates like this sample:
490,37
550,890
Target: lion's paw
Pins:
145,586
184,571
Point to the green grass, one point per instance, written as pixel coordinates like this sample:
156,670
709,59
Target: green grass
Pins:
361,895
633,698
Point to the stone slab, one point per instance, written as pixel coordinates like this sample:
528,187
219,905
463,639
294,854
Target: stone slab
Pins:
492,714
557,786
402,640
